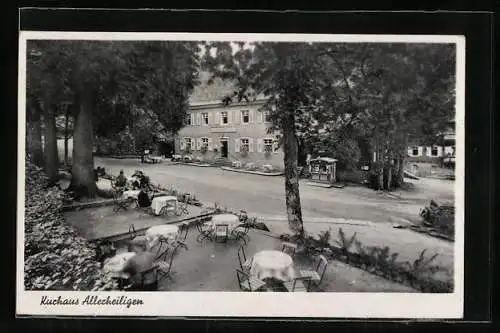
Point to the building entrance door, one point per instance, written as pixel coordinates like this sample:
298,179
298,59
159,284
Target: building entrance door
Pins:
224,148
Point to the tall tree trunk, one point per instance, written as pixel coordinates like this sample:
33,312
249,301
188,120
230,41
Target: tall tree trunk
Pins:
34,133
66,137
388,177
293,207
397,167
380,168
401,162
50,143
401,172
83,181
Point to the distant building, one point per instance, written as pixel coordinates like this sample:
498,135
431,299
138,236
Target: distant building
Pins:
238,131
443,151
234,131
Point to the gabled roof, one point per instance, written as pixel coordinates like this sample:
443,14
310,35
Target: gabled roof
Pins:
205,93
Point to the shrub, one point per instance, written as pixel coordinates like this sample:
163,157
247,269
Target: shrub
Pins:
250,166
344,242
377,260
56,257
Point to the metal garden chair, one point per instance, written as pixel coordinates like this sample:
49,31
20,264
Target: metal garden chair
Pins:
245,264
316,275
289,248
180,240
119,203
297,284
247,282
221,232
241,232
182,208
205,232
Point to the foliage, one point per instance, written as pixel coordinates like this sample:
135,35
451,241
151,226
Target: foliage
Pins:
56,257
378,260
343,148
344,242
344,92
422,264
125,142
324,238
115,84
441,217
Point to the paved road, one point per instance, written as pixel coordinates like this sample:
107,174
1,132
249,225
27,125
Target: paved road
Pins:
354,209
265,195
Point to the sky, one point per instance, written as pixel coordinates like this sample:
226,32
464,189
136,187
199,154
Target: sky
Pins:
234,46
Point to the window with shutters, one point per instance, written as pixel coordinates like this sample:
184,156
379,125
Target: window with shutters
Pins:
244,145
245,116
434,151
188,144
223,117
268,145
414,151
188,120
204,118
204,142
204,145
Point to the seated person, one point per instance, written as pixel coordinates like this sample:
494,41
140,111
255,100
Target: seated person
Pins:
143,199
144,182
121,180
104,250
136,268
141,180
136,179
99,172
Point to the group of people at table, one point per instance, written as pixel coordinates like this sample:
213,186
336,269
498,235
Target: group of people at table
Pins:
145,255
138,188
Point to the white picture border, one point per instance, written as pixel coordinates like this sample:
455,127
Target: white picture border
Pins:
229,304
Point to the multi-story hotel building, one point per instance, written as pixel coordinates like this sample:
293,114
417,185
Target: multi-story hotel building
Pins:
238,131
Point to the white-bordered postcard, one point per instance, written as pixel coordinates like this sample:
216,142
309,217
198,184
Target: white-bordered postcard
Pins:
241,175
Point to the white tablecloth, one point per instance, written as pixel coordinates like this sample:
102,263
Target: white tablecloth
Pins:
116,264
273,264
134,178
168,232
231,220
131,194
159,202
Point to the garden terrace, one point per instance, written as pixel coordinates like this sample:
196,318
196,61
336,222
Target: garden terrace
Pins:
210,266
103,222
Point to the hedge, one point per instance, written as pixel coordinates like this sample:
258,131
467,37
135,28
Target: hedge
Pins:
55,256
380,261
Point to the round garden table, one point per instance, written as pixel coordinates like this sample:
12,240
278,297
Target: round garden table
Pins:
116,264
168,232
159,203
231,220
131,194
272,265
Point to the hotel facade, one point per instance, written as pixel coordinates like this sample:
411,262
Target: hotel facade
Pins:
234,132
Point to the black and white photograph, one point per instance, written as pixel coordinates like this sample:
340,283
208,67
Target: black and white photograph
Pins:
263,174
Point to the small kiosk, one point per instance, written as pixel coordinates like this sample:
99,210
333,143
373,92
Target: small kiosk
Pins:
323,170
